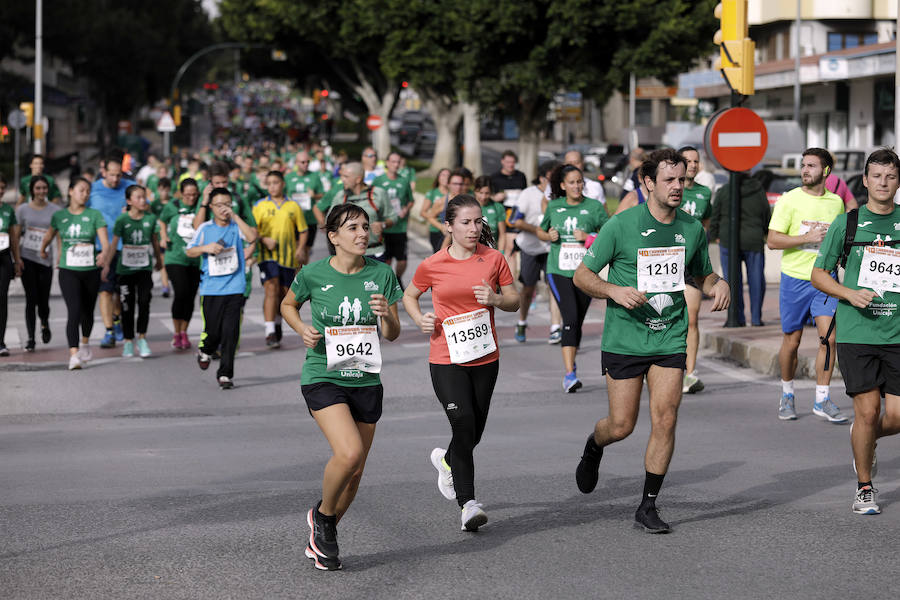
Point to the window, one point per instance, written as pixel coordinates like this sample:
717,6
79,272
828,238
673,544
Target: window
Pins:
839,41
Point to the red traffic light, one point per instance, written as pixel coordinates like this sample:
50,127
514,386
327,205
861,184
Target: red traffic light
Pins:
324,116
210,86
404,84
324,93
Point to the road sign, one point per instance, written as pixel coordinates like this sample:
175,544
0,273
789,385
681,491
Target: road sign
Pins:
736,139
166,123
373,122
16,119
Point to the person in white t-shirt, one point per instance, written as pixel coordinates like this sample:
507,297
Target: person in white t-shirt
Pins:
530,207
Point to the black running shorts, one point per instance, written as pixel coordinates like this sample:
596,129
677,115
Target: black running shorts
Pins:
867,367
364,402
626,366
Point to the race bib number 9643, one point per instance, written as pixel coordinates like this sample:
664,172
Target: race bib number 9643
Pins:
880,269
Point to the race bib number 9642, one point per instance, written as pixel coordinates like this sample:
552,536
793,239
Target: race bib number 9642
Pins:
353,347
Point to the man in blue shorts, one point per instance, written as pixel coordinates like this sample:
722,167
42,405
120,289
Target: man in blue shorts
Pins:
799,223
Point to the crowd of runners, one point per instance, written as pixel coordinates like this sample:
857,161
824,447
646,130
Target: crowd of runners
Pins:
205,225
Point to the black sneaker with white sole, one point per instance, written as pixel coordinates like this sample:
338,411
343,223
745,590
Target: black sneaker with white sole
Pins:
203,360
647,518
323,546
588,471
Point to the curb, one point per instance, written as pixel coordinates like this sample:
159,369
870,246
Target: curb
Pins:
762,358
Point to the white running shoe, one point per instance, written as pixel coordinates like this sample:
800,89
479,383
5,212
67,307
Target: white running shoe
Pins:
473,516
74,362
865,501
445,475
84,354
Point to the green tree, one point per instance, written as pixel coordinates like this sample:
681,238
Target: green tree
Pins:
335,41
128,50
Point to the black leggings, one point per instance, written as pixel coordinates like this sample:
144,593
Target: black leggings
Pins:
573,306
185,281
7,272
135,288
465,393
79,290
36,279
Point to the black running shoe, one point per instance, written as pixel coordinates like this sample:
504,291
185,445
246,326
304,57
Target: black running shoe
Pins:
588,470
29,346
202,359
647,518
272,341
278,332
323,544
45,333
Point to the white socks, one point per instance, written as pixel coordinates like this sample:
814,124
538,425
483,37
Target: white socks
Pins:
787,387
821,393
270,327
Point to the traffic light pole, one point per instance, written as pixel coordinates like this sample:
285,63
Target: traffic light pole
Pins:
734,241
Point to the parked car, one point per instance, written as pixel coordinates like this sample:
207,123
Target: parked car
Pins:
859,191
425,143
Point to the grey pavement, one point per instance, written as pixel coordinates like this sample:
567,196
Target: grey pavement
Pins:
139,478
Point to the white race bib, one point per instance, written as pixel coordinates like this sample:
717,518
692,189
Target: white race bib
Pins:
805,227
353,347
880,269
33,238
660,269
186,227
303,199
469,335
135,257
80,255
224,263
570,255
4,241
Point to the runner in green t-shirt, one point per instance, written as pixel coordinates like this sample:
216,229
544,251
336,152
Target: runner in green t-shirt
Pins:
868,330
401,199
492,212
437,193
648,249
695,202
37,168
79,265
348,294
137,229
304,188
10,262
176,230
568,221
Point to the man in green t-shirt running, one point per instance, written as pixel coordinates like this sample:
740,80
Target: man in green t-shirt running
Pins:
649,249
696,202
401,199
868,330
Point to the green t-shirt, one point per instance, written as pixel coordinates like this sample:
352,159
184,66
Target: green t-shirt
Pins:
77,233
588,216
137,247
337,299
156,207
7,220
432,195
301,189
325,203
795,213
399,196
697,201
372,200
409,174
660,325
494,213
178,219
876,324
52,194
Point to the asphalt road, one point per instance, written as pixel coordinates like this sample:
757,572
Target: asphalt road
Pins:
141,479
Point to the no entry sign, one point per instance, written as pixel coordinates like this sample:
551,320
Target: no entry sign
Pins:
736,139
373,122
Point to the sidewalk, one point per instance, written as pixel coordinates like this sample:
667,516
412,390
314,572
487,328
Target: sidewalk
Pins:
758,347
